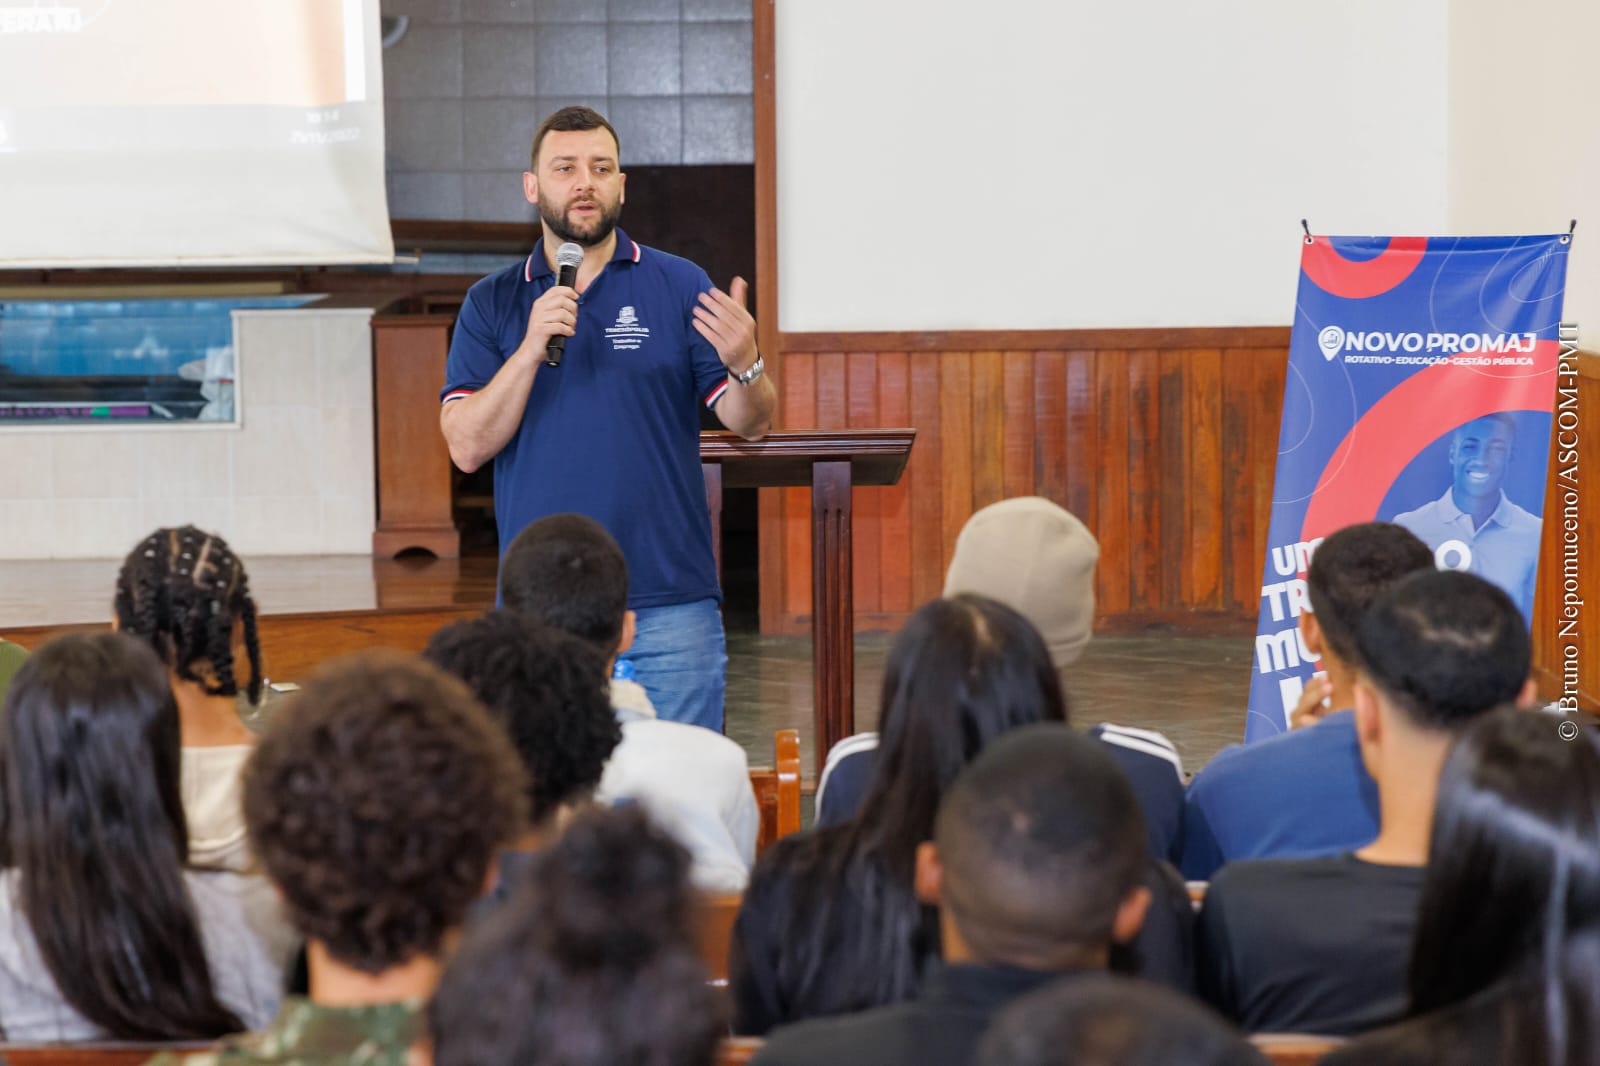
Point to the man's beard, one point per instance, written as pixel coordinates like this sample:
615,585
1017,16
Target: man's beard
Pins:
603,224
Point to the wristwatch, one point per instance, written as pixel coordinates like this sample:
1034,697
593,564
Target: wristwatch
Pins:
752,375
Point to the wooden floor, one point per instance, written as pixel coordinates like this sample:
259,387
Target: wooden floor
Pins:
312,607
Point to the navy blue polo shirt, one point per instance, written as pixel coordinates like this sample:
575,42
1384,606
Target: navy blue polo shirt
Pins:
614,431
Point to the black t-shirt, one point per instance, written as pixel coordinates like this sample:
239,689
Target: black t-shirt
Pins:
1308,945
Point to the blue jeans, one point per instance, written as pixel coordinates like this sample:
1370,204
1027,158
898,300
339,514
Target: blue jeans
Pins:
680,656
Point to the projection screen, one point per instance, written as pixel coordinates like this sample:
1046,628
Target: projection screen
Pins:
191,132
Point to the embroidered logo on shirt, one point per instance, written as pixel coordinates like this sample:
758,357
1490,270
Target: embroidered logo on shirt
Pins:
627,334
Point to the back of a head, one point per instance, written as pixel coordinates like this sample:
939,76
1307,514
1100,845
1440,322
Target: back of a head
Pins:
1041,842
89,803
567,571
1353,567
183,591
1514,862
1104,1020
963,671
1444,646
591,963
376,803
1037,558
548,691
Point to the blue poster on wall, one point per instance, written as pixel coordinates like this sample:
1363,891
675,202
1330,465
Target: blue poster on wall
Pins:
1422,376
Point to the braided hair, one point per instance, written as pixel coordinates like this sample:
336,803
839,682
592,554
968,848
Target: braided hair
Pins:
181,591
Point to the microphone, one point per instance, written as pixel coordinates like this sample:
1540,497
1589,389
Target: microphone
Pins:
569,257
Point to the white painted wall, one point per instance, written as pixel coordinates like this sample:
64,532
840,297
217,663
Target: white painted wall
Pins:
295,477
1113,164
1525,132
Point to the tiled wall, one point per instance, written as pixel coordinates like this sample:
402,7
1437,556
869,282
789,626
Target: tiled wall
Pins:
295,478
470,81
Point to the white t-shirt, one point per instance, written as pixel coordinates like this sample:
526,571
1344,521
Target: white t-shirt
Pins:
212,786
694,783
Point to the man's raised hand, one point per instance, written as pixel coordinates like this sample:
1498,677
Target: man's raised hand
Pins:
722,320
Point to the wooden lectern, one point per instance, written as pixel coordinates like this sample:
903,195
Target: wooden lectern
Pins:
830,462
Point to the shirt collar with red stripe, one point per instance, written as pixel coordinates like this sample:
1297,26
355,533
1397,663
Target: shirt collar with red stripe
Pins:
537,266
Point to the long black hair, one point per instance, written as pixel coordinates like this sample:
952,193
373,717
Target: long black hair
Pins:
91,821
1514,862
182,591
963,671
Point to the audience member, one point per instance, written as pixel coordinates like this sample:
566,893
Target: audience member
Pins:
1038,559
1498,972
105,935
1320,945
1034,865
376,803
12,656
591,963
1306,792
184,592
547,691
566,571
831,923
1112,1021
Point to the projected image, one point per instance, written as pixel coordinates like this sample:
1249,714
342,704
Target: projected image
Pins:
191,132
161,53
101,361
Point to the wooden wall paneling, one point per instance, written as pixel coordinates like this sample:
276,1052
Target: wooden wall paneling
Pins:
1205,543
1050,425
1019,429
1082,466
1241,568
1113,577
861,412
924,475
955,431
1144,479
799,384
894,511
1172,430
988,429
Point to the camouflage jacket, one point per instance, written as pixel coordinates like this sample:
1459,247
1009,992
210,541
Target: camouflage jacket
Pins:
304,1034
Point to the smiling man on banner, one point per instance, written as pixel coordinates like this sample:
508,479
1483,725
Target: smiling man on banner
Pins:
1474,526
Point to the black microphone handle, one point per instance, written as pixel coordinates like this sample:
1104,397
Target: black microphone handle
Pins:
558,343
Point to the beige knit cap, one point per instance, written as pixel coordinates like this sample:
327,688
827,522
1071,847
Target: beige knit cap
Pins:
1036,558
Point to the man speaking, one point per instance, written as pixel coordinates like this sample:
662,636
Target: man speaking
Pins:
610,428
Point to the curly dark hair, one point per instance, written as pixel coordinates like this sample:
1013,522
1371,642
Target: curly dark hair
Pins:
182,591
548,689
601,929
376,801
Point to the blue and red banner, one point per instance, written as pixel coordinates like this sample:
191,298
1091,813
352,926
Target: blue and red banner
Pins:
1422,376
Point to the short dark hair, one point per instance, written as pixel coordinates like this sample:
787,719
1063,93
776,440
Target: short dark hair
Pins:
570,119
567,571
600,929
376,802
1041,840
1348,571
181,590
1444,646
549,693
1514,860
1106,1020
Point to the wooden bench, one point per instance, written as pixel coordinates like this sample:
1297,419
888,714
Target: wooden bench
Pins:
1294,1049
777,789
716,934
107,1054
737,1050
